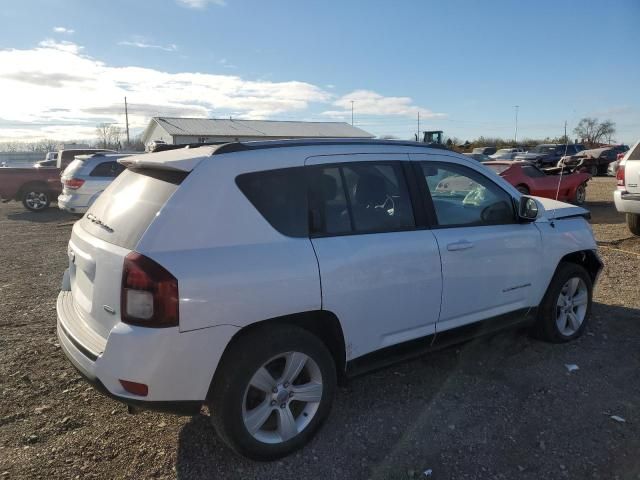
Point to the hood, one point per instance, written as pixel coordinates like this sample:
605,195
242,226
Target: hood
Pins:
554,209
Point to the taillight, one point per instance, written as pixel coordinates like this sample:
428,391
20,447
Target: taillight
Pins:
73,183
620,176
149,294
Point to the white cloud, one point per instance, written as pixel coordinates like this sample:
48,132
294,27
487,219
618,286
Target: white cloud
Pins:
141,44
367,102
200,4
67,31
54,90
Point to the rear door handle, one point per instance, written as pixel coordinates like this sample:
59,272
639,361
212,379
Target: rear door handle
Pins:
461,245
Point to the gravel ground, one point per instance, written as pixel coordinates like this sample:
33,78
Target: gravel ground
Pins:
500,407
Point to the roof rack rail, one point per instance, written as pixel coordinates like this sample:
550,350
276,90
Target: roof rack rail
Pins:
170,146
304,142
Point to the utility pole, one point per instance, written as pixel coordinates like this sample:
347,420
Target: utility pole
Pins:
517,107
351,112
418,137
126,117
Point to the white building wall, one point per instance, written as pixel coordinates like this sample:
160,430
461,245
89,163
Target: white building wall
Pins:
158,133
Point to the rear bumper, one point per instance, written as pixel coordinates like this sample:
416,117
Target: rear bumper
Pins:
627,202
176,366
72,203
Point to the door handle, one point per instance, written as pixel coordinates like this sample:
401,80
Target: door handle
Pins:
461,245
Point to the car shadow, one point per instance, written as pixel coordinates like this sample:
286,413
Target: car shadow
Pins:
50,215
604,213
483,397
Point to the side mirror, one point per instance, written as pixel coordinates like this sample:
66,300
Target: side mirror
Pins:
527,209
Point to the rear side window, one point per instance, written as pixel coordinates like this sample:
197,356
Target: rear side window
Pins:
361,197
281,198
107,169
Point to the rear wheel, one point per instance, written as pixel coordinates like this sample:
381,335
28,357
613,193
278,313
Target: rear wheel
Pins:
35,199
581,194
593,170
274,389
633,222
523,189
566,306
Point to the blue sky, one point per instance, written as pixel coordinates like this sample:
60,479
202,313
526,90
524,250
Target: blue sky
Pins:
65,64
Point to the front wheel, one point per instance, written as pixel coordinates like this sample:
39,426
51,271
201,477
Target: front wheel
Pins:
633,222
593,170
273,390
581,194
35,200
566,305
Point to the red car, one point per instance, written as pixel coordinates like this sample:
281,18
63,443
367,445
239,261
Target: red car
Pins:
531,180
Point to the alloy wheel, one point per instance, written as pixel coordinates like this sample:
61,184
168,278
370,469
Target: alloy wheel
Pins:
581,194
36,200
282,397
571,306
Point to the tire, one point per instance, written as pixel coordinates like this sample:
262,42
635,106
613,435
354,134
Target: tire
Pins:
633,222
35,199
554,323
270,350
593,170
523,189
581,194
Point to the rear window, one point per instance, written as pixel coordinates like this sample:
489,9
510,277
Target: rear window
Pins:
280,197
124,211
73,168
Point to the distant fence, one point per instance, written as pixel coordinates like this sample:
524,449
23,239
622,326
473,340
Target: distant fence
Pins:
20,159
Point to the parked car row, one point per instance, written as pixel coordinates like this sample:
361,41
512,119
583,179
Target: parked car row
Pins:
37,186
596,161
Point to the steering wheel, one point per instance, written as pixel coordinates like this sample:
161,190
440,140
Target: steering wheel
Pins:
475,197
387,201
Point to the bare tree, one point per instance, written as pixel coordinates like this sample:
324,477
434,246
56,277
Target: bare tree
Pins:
109,135
592,131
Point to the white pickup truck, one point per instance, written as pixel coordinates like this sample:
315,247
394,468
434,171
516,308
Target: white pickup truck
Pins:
627,195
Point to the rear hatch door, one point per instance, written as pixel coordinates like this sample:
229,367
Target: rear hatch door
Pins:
109,231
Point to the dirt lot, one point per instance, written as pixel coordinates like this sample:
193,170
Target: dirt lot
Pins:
502,407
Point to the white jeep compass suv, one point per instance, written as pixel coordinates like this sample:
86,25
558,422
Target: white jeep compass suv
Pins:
252,277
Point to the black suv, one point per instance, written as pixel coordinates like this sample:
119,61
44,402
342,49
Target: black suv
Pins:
548,155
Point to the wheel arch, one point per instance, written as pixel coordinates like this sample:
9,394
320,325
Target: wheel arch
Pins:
32,184
588,259
321,323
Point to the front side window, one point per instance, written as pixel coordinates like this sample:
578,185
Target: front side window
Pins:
463,197
359,198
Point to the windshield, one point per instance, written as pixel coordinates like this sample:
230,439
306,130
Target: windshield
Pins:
130,204
499,168
73,168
